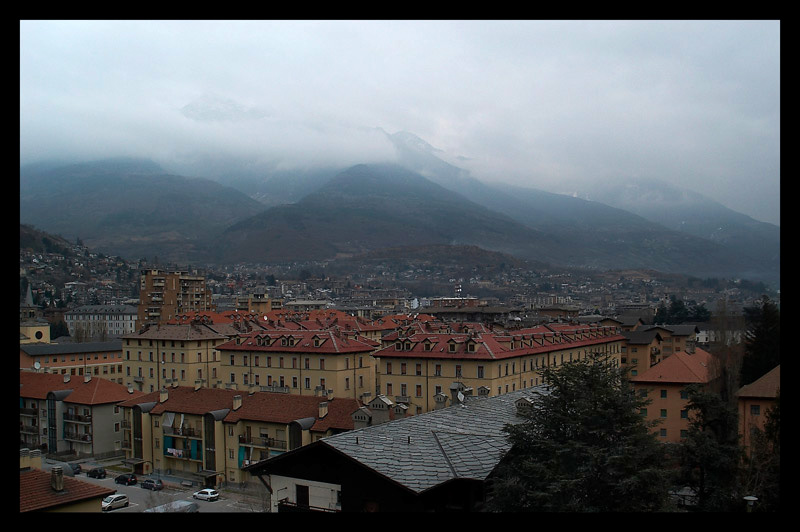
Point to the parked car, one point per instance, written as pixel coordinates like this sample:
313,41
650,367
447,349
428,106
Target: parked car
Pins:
151,484
128,479
96,472
207,494
114,501
76,468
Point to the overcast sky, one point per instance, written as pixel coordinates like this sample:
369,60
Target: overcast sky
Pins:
542,103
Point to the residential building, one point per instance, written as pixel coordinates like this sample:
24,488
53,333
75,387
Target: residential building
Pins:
438,461
641,350
268,424
100,322
421,364
665,384
300,362
257,301
754,401
78,416
675,338
208,435
98,359
160,355
166,294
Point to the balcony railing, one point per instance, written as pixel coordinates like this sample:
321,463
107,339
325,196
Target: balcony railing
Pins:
74,436
28,411
29,429
190,432
77,418
260,441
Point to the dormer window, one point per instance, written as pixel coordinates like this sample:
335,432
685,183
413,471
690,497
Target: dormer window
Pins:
471,347
452,347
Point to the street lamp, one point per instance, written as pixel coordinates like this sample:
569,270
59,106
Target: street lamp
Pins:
751,500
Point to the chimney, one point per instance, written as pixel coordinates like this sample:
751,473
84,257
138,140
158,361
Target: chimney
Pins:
57,478
87,378
237,402
66,377
323,409
163,395
130,388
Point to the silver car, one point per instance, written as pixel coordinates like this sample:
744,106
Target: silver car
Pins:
114,501
207,494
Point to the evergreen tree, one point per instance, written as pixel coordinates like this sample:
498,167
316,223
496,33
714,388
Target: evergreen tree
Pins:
762,342
583,447
710,453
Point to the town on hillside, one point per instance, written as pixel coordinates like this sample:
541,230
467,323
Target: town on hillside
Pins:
312,387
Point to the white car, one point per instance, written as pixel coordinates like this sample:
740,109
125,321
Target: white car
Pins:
114,501
207,494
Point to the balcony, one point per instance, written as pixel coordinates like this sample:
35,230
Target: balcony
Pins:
29,429
74,436
75,418
260,441
28,412
189,432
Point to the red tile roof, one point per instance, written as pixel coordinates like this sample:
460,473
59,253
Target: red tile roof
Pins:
258,406
767,386
681,368
285,408
331,342
95,392
36,493
492,346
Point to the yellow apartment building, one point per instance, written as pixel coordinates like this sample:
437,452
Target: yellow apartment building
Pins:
207,435
674,338
97,359
665,385
420,369
641,350
754,401
156,356
301,362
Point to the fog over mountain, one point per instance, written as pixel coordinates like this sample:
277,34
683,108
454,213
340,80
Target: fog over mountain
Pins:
695,104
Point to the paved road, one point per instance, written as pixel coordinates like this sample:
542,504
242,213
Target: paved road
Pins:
142,499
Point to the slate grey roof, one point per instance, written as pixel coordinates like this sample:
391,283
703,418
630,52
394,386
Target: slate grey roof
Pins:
66,349
422,451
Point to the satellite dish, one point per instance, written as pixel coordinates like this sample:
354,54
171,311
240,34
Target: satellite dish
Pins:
36,365
460,397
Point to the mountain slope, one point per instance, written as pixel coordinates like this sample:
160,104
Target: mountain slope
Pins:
619,230
131,208
371,207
